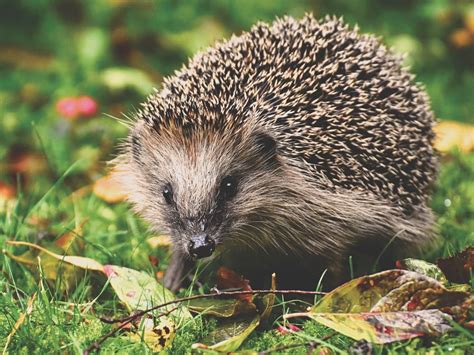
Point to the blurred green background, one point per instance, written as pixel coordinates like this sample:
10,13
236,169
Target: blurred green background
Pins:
115,50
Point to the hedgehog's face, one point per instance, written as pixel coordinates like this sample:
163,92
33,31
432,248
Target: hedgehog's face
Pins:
203,189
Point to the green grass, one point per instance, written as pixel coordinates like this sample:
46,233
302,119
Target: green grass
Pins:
113,235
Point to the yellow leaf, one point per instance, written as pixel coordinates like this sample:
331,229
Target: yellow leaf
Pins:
7,192
389,306
79,261
461,38
469,21
386,327
450,134
157,337
159,241
109,189
140,291
71,241
229,334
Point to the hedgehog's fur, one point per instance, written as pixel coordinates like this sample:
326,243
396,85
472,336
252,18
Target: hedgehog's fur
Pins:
330,138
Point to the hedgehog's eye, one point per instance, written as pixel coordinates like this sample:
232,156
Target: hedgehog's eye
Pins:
168,194
228,187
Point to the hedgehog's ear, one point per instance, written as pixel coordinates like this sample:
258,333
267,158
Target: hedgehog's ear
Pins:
266,143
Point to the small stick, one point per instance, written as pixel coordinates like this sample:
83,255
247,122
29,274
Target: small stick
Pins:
136,315
216,294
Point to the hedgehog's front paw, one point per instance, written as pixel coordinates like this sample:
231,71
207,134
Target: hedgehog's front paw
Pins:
177,272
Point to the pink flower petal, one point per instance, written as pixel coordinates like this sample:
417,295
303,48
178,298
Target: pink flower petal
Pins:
87,106
67,107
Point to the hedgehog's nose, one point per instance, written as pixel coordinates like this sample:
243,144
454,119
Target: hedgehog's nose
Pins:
201,245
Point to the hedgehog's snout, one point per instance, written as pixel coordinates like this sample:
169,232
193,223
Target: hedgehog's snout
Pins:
201,245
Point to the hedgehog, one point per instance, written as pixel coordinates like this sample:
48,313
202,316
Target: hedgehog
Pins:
289,149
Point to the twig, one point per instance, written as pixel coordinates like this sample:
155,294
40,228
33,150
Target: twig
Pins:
310,344
212,295
136,315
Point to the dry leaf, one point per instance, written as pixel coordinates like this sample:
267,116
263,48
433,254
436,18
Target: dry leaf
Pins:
391,305
7,192
140,291
79,261
26,163
461,38
159,241
469,21
228,279
229,334
156,337
450,134
388,291
109,189
386,327
458,268
154,261
71,241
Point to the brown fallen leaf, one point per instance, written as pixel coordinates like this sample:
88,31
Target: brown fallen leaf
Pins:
38,222
156,337
72,242
229,279
109,189
7,192
385,327
458,268
389,291
79,261
391,305
26,163
450,134
461,38
229,334
159,241
154,261
237,317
